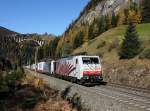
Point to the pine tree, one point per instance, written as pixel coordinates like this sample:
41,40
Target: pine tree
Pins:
67,48
131,45
53,47
91,31
146,12
99,26
102,25
78,40
40,53
113,20
108,22
94,29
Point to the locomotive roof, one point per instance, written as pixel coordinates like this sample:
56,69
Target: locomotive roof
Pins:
46,60
80,56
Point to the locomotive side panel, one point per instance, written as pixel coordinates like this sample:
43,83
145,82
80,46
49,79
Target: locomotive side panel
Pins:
65,67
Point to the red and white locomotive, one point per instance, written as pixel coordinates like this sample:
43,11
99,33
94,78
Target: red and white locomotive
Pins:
80,68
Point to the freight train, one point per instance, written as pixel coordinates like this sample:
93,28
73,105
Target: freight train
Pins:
82,68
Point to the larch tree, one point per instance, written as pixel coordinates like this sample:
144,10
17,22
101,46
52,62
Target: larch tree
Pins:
135,15
121,18
108,22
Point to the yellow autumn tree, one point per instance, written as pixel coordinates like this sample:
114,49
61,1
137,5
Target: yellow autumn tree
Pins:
72,34
59,47
108,21
135,16
85,30
121,18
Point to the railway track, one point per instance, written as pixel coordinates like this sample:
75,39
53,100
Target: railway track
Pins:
143,90
133,97
110,97
128,95
128,90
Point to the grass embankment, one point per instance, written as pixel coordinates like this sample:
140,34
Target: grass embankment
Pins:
134,72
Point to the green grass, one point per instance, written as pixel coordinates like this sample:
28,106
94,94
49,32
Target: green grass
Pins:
144,31
114,36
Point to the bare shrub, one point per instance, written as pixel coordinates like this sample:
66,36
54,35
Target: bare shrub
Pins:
100,54
101,44
65,92
114,44
76,102
145,54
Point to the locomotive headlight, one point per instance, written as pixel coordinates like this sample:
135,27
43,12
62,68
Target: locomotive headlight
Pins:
87,77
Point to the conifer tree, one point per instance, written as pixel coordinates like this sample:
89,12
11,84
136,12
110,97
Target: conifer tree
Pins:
102,25
146,12
131,45
108,22
78,40
66,48
94,29
91,31
113,20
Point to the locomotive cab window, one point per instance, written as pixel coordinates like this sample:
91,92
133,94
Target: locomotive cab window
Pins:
90,60
76,61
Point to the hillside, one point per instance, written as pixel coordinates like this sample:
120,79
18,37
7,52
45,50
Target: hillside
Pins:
97,17
6,32
102,43
97,8
20,48
133,72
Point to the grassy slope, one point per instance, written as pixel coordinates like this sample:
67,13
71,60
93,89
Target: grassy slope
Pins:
133,72
112,36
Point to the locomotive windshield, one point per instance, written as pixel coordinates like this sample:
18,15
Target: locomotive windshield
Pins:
90,60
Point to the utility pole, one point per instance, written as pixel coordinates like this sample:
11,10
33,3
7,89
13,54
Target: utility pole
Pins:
36,53
63,47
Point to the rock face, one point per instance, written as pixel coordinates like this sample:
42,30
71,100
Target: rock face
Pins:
105,7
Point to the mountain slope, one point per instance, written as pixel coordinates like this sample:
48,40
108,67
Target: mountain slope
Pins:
103,7
113,36
20,48
97,17
6,32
